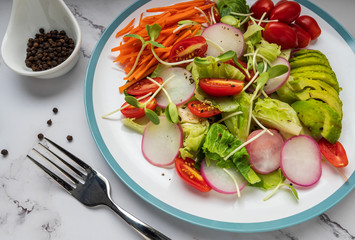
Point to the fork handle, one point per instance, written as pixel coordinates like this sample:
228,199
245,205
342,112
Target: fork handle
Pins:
142,228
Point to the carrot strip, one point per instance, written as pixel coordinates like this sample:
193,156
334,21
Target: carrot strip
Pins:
179,6
126,29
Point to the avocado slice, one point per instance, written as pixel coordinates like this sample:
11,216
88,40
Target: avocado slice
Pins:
323,76
324,96
286,92
319,118
306,61
313,68
302,83
303,52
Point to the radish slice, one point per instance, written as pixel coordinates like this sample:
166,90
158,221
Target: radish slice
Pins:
221,38
161,143
264,152
275,83
301,160
180,88
221,181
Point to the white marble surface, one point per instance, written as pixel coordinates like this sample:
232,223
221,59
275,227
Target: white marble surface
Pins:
33,207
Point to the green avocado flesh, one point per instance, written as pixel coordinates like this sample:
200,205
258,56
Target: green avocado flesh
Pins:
322,76
313,68
302,83
319,118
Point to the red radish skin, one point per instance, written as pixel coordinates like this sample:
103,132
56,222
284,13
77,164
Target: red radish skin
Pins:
219,180
161,143
179,95
275,83
224,35
265,151
301,160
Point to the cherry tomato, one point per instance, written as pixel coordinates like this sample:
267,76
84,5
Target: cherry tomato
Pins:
334,153
310,25
202,109
144,86
188,173
219,87
216,15
303,37
261,6
281,34
133,112
188,49
286,12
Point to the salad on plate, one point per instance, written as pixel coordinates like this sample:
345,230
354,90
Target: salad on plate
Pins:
232,95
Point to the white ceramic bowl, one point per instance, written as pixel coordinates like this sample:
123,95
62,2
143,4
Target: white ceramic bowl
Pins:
27,17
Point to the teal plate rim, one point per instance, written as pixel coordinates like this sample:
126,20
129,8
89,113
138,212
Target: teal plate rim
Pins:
213,224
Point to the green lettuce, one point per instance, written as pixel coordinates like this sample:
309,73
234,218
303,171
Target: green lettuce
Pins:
276,114
225,7
219,143
194,136
237,124
269,51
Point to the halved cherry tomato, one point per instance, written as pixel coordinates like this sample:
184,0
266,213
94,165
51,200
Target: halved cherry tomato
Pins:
144,86
310,25
220,87
303,37
281,34
201,109
133,112
188,173
188,49
216,15
261,6
334,153
286,12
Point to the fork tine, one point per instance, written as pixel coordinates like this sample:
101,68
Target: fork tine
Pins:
70,155
63,161
57,166
59,180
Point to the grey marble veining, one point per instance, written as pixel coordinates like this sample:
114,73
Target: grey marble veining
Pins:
34,207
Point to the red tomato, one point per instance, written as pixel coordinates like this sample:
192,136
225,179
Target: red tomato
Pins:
188,173
144,86
133,112
303,37
281,34
219,87
188,49
261,6
286,12
202,109
216,15
334,153
310,25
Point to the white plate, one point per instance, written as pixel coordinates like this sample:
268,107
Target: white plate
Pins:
164,189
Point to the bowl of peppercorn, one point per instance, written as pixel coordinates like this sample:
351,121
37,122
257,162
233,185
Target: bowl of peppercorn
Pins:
42,39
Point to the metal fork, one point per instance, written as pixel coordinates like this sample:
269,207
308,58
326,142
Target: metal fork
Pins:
91,188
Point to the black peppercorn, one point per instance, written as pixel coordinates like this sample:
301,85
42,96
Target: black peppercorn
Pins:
55,110
40,136
46,49
4,152
70,138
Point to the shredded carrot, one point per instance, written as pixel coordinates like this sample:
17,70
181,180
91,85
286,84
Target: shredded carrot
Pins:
168,18
126,29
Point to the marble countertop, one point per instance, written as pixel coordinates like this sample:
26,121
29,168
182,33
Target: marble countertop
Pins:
34,207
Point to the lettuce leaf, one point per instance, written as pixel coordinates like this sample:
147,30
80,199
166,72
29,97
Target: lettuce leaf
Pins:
279,115
237,124
219,143
194,136
225,7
